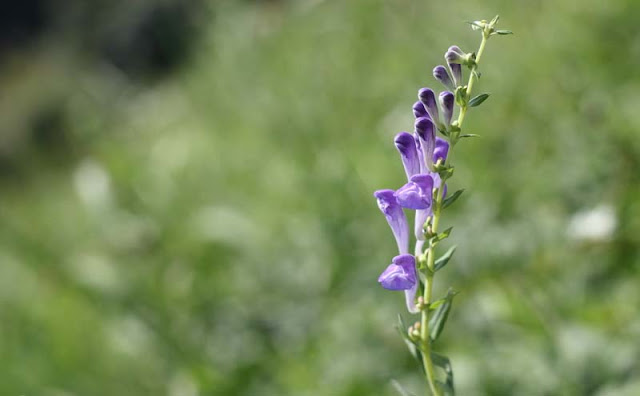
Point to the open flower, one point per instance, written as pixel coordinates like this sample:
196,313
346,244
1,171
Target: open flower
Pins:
400,274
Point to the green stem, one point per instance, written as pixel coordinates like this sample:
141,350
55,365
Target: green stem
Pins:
424,325
425,340
472,79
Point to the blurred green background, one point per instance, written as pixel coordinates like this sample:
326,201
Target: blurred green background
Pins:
186,197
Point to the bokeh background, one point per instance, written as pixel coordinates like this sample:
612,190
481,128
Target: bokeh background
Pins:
186,208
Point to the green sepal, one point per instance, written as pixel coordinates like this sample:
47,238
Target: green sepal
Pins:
413,348
461,96
401,389
445,364
444,259
439,318
477,100
451,199
494,20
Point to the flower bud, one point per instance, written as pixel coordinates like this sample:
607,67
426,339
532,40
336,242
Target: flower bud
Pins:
428,99
441,74
455,55
446,100
419,110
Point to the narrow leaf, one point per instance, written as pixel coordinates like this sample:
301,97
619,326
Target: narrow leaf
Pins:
439,318
444,259
503,32
451,199
401,390
444,363
468,135
477,100
443,235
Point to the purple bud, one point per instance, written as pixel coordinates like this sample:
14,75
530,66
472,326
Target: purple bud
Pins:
406,145
395,217
446,100
441,150
400,274
428,99
441,74
419,110
455,55
427,137
417,193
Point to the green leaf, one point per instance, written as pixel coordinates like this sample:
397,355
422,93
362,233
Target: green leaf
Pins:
503,32
451,199
413,349
494,20
443,235
468,135
439,317
444,363
477,100
444,259
401,389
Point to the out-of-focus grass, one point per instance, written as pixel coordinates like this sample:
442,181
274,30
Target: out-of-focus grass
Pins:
215,233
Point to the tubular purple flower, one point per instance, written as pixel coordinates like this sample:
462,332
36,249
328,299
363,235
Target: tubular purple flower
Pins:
441,74
417,193
427,139
446,100
395,217
441,150
400,274
406,145
456,73
428,99
419,111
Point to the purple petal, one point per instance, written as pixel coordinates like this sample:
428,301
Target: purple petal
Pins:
395,217
427,138
441,150
419,110
428,99
446,104
441,74
417,193
400,274
421,218
406,145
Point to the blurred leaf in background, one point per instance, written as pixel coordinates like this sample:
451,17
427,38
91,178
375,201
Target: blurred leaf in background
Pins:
186,208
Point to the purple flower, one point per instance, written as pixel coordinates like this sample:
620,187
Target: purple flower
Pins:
395,217
406,145
427,141
400,274
419,111
441,74
428,99
446,100
417,193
